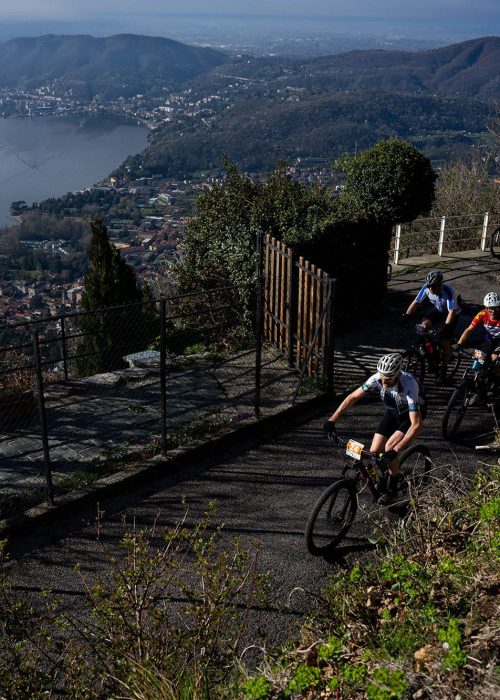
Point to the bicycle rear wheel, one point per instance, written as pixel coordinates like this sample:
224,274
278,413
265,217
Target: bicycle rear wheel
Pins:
414,362
415,464
455,410
495,243
331,517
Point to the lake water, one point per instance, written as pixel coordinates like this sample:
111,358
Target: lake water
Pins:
51,156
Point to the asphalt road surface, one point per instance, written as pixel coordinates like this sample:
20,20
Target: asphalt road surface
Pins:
263,491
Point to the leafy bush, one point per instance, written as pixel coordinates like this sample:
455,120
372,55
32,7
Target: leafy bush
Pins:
132,637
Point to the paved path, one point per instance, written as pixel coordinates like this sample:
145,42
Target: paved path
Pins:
263,492
120,412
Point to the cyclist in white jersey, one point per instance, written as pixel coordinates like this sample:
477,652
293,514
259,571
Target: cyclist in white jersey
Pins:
405,408
446,309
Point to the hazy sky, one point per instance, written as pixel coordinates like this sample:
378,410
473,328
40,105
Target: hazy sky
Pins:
470,17
394,9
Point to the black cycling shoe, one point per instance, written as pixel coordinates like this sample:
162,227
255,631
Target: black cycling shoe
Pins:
389,491
386,498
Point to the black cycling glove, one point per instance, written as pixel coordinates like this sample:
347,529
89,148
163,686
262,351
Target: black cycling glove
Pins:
329,428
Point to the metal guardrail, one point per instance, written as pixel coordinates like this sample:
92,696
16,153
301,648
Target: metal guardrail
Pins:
442,235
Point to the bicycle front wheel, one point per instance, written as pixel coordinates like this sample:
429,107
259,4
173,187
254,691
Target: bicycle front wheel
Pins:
455,410
454,363
415,464
414,362
331,517
495,243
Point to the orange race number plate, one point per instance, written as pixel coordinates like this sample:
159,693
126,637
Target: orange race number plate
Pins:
354,449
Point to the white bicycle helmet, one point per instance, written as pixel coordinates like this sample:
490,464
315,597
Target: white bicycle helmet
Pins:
434,277
390,365
491,300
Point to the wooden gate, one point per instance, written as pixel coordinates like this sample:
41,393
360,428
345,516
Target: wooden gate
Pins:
298,309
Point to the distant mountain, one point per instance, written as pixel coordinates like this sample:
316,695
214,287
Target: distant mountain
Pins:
121,64
439,100
470,68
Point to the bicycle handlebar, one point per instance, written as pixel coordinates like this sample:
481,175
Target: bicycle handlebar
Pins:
331,431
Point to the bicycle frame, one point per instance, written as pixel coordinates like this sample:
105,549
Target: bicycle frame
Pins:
483,373
369,474
427,344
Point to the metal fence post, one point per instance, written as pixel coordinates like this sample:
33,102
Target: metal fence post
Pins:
163,374
259,321
441,235
64,349
43,417
397,244
484,233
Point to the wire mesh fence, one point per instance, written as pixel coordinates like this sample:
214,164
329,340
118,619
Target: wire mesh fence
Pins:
90,393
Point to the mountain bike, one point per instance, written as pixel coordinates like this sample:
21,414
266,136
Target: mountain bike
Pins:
478,388
495,243
335,510
426,354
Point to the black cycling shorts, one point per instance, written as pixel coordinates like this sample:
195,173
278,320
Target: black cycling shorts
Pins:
439,317
392,421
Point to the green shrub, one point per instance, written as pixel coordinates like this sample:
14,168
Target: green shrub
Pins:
257,688
304,678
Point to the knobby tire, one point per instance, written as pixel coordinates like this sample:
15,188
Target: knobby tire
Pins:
415,464
414,363
454,363
331,517
455,410
495,243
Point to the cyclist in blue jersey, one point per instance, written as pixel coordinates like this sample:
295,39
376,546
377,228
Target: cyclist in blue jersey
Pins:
446,309
405,407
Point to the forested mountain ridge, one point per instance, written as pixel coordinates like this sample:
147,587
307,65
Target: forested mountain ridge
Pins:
439,100
256,132
122,63
469,68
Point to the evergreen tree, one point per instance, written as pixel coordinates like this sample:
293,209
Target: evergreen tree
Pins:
110,333
393,182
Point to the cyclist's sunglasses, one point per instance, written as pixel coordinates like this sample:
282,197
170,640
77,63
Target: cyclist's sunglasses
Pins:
388,377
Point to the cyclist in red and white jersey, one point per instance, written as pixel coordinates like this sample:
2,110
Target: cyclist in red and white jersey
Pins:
488,319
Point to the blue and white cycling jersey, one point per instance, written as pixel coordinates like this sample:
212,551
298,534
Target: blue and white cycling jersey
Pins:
442,302
405,395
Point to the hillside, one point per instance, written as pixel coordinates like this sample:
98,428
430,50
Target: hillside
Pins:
321,127
469,68
439,100
115,65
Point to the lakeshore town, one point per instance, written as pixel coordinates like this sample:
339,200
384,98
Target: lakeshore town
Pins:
149,234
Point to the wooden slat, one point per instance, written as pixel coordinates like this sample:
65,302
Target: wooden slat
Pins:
267,256
305,311
312,318
281,295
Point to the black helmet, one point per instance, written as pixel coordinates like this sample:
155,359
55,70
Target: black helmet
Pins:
434,277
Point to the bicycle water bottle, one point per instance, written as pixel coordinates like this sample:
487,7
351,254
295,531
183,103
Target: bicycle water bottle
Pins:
478,362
